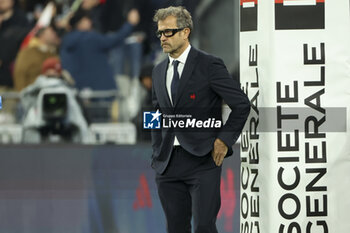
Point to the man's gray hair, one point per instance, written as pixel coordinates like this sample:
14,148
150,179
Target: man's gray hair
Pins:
183,17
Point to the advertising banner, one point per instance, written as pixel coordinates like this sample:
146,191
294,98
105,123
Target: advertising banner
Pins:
295,147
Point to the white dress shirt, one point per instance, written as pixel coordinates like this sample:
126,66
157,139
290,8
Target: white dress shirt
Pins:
170,72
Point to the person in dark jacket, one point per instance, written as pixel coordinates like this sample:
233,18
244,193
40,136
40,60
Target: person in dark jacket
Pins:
187,159
84,51
13,28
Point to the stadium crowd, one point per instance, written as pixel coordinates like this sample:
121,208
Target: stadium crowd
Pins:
103,49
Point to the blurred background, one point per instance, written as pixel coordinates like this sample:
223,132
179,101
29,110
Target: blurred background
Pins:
57,87
75,79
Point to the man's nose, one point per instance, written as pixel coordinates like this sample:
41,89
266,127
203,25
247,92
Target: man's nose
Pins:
162,37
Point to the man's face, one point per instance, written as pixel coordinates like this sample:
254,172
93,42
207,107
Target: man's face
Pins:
5,5
85,24
49,37
175,43
89,4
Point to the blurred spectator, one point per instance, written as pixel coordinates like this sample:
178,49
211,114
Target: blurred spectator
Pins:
146,82
51,67
51,108
13,28
84,51
126,58
30,59
95,10
146,102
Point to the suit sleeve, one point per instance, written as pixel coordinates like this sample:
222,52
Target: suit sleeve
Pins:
113,39
156,133
229,90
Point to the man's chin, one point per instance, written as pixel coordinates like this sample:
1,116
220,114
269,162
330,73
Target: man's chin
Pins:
166,50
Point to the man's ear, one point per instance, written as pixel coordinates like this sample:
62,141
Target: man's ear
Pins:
187,32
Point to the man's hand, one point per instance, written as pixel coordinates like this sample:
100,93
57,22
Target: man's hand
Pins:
133,17
219,151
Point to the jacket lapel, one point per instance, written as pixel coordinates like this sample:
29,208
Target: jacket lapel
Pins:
186,73
162,78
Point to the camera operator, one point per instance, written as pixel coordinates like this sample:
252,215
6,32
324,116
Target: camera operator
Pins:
51,110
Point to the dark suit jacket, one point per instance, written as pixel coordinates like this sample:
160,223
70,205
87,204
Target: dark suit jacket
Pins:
204,84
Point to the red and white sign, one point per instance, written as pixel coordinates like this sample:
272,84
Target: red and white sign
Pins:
295,70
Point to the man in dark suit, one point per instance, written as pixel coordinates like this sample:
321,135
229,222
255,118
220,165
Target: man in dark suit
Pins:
192,84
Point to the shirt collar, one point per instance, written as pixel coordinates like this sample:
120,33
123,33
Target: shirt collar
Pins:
183,57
